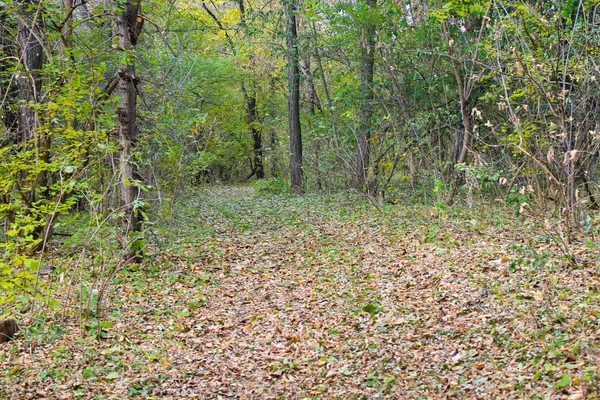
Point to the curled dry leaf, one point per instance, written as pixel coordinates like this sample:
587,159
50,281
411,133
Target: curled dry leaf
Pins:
570,156
550,155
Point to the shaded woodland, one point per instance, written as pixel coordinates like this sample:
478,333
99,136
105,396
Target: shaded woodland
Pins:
467,101
478,122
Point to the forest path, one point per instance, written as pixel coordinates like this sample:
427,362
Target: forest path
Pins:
324,297
317,297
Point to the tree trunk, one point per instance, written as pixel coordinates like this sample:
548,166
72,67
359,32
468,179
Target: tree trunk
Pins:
8,328
31,58
295,132
9,118
464,100
128,28
9,122
251,115
312,97
464,112
313,104
29,85
360,177
256,135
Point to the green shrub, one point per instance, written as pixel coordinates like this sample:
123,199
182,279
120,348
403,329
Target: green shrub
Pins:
264,187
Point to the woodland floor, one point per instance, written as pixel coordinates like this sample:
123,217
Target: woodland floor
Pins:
325,297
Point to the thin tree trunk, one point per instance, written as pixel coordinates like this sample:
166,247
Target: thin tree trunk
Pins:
324,79
313,104
29,84
128,29
9,96
464,101
464,112
8,92
255,134
312,96
360,177
31,57
258,168
295,132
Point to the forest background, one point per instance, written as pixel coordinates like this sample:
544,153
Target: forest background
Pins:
113,112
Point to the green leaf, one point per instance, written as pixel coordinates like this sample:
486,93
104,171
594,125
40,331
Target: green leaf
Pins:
88,373
371,309
107,324
549,367
564,381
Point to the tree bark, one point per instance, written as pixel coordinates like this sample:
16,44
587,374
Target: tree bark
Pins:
464,100
129,23
324,80
251,114
255,134
312,97
9,93
8,328
360,177
31,57
295,132
29,85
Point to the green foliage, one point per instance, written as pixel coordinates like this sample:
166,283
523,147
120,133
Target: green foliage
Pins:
527,70
528,257
272,187
485,176
371,309
42,179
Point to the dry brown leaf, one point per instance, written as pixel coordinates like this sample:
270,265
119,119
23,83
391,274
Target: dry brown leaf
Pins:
550,155
577,395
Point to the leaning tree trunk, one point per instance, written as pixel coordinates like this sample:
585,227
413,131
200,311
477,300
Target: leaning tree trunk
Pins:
129,23
360,177
294,97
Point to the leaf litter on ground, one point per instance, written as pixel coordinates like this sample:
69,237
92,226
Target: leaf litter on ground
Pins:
322,297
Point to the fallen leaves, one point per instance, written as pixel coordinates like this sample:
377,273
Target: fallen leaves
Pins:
299,297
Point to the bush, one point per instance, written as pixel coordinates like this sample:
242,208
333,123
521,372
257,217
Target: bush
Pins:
264,187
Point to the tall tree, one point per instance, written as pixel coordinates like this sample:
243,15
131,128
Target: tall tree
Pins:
360,176
248,87
32,61
258,168
29,84
9,118
295,132
129,26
